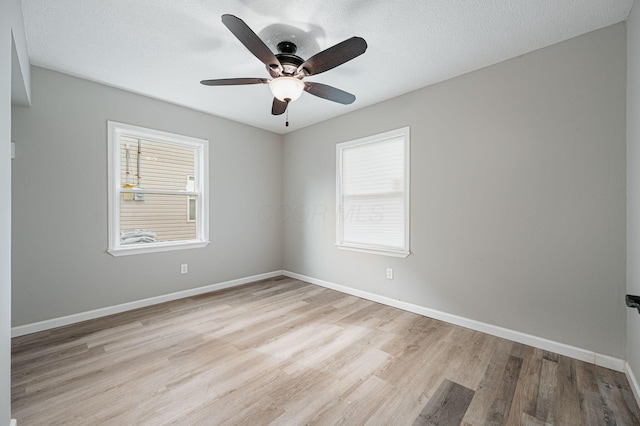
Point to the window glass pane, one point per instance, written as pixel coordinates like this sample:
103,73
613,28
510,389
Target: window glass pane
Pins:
158,217
155,165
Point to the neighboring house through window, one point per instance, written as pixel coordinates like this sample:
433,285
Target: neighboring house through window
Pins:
191,201
373,194
151,208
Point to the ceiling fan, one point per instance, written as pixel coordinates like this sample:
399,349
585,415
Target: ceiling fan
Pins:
287,70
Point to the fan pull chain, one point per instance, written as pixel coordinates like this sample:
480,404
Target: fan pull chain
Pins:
287,119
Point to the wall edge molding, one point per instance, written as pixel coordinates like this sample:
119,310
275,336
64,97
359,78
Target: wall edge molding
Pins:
633,382
35,327
591,357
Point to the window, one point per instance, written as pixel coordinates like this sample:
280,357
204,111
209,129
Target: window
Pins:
373,194
158,198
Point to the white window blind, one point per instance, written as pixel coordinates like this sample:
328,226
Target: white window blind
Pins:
373,193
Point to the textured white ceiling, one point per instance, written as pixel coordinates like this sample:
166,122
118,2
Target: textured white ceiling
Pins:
163,48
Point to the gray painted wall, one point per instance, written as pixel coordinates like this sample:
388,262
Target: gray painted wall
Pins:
13,61
60,263
518,195
5,218
633,186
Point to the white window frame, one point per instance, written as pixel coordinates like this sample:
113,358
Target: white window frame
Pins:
115,132
368,248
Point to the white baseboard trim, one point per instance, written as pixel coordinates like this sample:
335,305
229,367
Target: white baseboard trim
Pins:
109,310
516,336
527,339
633,382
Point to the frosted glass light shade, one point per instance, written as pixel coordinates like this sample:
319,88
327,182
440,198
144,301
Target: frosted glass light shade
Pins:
286,88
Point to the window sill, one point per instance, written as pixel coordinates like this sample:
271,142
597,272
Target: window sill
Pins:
379,251
155,247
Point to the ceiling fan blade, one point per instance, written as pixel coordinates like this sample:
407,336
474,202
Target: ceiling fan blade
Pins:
278,107
334,56
329,92
234,81
251,41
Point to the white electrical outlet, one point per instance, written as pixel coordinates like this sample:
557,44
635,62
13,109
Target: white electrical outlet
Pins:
184,268
389,273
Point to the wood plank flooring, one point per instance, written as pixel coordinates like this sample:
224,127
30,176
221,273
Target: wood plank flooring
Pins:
284,352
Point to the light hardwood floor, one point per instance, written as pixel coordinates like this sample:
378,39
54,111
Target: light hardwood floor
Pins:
285,352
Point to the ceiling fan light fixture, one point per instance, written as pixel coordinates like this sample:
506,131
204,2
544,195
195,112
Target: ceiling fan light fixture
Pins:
286,89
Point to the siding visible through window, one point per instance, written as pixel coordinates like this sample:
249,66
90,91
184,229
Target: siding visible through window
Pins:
161,167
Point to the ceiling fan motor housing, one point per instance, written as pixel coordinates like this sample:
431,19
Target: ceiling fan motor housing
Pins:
287,57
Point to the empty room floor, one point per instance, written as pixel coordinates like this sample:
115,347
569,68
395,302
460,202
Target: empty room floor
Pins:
281,351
